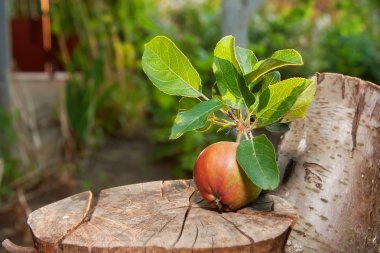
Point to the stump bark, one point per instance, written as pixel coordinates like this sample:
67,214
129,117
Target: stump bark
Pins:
162,216
331,165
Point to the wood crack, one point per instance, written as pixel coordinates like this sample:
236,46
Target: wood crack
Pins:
241,232
374,115
157,226
184,220
182,226
289,168
355,122
196,238
92,203
90,246
91,209
162,188
343,88
159,231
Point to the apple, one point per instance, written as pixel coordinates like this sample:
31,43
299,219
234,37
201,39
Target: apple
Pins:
220,180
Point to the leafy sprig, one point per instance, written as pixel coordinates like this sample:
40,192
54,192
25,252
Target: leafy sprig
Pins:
249,94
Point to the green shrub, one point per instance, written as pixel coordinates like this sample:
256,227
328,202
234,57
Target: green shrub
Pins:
109,95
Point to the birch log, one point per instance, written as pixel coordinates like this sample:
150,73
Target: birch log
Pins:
331,165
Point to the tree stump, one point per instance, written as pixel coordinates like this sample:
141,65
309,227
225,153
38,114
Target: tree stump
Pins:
331,161
161,216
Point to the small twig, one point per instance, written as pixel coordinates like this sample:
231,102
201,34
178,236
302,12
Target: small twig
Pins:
230,114
13,248
238,138
223,124
23,202
246,135
224,120
233,115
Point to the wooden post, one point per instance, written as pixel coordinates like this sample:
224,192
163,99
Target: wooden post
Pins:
332,168
162,216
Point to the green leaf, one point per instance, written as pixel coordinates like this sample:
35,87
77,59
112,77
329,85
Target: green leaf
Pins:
300,107
186,103
279,59
169,69
246,59
194,118
229,76
206,127
278,128
257,158
271,78
268,79
277,99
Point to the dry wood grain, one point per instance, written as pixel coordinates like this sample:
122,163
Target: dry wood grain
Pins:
52,223
331,167
161,216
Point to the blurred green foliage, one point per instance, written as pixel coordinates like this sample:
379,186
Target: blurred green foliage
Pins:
336,36
109,94
8,137
333,36
351,44
84,97
112,35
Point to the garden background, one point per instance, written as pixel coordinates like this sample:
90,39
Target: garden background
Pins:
82,115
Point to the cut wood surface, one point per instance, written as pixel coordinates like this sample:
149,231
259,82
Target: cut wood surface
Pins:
52,223
331,167
160,216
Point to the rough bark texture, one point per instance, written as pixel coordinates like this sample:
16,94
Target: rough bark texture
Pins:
161,216
331,167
